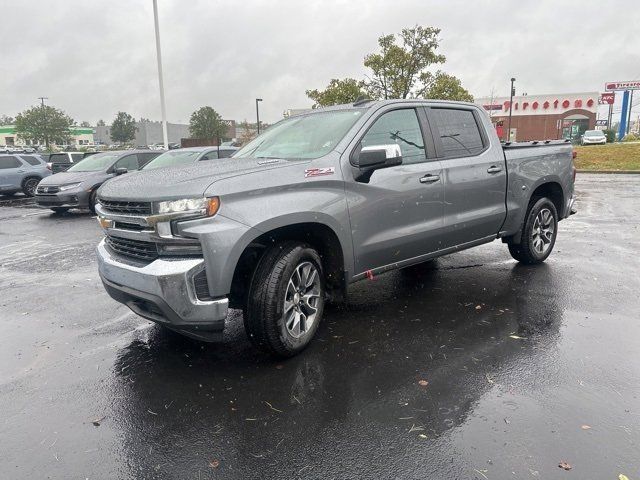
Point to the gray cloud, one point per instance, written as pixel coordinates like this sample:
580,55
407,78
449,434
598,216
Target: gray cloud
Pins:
95,58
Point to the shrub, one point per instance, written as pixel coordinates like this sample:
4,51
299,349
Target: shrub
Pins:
630,137
610,134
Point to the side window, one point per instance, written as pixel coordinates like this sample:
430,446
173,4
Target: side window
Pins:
77,157
402,128
210,156
31,160
226,153
458,131
144,158
130,162
9,162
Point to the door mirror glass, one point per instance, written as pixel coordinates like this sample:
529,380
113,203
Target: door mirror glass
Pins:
120,170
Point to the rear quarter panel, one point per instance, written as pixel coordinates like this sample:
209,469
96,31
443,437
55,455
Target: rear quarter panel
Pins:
530,167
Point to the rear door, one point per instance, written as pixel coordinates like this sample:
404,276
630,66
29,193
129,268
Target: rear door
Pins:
130,162
474,174
397,215
12,172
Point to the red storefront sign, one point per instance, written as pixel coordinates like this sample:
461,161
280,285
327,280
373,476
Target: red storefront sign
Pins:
608,98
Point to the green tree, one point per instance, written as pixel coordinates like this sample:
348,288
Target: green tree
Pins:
85,124
6,120
101,123
123,129
337,92
442,86
44,124
400,70
207,123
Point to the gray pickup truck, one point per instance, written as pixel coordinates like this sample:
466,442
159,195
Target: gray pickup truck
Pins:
319,201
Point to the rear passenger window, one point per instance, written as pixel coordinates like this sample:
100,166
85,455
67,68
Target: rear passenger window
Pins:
402,128
458,131
77,157
9,162
31,160
226,153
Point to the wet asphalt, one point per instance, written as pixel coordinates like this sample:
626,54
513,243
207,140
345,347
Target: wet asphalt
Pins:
472,367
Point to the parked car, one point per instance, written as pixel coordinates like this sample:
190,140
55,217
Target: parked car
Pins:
77,186
593,137
318,201
186,156
21,173
61,161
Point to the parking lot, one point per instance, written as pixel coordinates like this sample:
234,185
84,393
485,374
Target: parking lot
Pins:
471,367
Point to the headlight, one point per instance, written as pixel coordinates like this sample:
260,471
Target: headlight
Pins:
69,186
206,206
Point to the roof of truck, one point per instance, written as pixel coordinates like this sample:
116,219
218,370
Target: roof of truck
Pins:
366,104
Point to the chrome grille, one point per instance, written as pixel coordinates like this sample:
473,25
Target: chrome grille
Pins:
126,208
47,189
137,249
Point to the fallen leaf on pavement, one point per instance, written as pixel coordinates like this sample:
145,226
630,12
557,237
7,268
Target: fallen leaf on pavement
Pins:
97,421
585,427
478,307
622,477
516,337
214,463
565,466
423,383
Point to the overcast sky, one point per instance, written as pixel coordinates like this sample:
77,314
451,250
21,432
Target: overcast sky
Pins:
94,58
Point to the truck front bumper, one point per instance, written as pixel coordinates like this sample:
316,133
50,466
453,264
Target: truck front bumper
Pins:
163,291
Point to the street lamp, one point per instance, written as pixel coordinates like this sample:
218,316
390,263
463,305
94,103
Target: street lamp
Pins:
163,108
258,114
513,92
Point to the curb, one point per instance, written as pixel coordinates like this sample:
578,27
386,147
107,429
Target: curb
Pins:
625,172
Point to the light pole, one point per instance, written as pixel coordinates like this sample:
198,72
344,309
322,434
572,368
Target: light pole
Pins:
163,109
258,114
513,92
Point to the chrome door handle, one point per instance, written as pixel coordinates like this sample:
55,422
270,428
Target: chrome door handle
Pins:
429,178
494,169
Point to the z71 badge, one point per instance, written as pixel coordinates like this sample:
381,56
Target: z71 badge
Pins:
319,172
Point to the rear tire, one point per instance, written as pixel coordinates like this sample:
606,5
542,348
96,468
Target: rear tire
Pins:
286,299
538,234
29,186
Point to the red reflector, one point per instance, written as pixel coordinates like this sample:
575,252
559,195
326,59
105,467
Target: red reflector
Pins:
575,154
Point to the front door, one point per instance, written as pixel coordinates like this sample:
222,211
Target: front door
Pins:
474,175
398,213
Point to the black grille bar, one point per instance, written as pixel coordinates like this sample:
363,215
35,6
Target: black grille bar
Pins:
134,208
133,248
202,286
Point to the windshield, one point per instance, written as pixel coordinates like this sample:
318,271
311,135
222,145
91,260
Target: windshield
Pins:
593,133
308,136
95,163
172,158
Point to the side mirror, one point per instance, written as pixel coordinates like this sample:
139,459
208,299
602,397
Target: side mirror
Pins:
375,157
120,171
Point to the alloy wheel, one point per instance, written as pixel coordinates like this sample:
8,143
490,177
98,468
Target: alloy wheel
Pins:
543,231
301,299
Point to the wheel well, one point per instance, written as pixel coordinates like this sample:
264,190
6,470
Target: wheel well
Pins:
553,191
321,237
29,178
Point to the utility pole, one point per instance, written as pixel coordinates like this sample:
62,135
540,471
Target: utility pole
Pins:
42,99
163,108
258,114
513,92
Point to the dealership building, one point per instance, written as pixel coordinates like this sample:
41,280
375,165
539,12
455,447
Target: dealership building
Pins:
78,136
543,117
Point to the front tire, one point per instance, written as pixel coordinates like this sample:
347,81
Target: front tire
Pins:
538,234
92,201
29,186
286,299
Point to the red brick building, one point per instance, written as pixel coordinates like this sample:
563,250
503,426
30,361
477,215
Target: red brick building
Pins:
543,117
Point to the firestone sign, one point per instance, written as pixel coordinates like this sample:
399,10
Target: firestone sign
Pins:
634,85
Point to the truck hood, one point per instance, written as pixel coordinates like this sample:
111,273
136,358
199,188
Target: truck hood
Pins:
64,178
180,181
